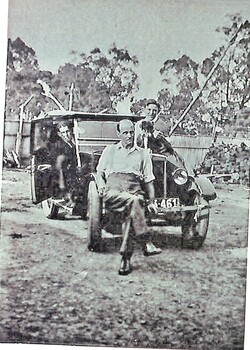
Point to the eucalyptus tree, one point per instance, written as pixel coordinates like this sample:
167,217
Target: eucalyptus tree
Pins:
228,91
22,74
112,74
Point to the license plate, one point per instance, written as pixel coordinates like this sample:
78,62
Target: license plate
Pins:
167,202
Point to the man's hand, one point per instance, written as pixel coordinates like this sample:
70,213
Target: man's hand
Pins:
101,191
101,183
152,208
78,171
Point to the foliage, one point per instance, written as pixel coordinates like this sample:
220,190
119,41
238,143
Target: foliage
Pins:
21,79
180,81
102,80
180,75
88,95
20,56
138,106
225,94
99,81
113,73
224,158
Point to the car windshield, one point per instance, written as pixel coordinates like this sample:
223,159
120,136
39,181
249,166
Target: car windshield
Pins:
97,129
93,132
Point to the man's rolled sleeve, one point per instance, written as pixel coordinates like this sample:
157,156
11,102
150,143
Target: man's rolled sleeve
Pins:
103,161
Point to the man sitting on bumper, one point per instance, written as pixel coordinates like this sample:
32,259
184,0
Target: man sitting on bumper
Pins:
121,170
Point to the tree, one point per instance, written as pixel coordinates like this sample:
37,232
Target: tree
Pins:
228,91
224,93
137,106
180,82
21,79
179,75
20,56
114,73
88,95
100,81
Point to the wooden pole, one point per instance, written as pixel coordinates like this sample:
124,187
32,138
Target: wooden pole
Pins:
77,143
71,97
47,93
76,133
20,130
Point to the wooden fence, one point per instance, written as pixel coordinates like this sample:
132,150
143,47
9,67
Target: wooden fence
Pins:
192,149
10,135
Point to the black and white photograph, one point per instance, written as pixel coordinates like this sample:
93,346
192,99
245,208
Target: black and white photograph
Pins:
125,174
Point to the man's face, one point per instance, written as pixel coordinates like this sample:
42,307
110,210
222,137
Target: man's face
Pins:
151,112
66,133
126,134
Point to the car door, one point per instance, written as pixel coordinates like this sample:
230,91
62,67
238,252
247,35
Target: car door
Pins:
43,174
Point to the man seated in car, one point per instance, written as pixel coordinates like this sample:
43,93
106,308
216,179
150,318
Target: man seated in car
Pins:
120,172
66,161
146,135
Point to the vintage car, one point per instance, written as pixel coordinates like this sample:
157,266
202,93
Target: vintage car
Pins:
91,132
182,197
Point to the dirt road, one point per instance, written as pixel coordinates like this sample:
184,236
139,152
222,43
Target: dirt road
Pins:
53,290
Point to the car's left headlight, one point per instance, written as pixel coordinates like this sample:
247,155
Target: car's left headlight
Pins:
180,176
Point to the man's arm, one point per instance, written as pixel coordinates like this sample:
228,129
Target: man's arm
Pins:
151,195
101,182
150,190
60,159
149,182
101,167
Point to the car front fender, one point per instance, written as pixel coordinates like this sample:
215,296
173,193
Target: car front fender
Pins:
205,187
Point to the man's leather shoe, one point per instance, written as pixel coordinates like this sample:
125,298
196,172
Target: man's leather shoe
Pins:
151,249
125,267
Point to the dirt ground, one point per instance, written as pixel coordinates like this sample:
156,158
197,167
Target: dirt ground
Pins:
54,291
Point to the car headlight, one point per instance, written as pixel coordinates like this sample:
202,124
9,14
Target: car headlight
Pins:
180,176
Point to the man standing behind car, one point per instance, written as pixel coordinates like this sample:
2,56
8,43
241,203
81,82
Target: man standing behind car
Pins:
120,171
147,136
146,127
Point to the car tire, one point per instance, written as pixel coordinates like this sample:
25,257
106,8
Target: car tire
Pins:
195,225
94,218
50,209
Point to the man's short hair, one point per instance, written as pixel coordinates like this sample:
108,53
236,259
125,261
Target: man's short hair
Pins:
63,123
118,125
151,101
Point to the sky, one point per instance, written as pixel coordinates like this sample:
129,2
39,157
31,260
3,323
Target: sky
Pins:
153,30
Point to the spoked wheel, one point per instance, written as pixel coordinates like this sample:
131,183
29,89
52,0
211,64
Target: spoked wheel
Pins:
195,226
49,208
94,218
